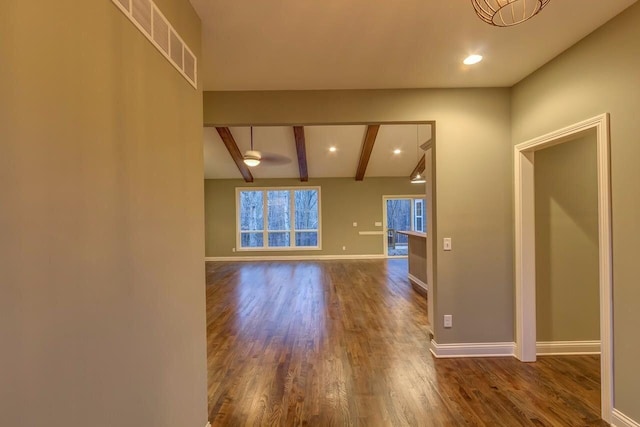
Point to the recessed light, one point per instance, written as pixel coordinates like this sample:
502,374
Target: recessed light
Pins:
472,59
332,149
397,151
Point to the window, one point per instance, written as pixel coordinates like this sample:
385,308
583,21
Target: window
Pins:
418,215
278,218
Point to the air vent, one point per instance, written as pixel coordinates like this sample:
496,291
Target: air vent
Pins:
146,16
141,13
176,49
161,31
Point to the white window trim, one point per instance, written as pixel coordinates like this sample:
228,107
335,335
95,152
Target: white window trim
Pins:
265,231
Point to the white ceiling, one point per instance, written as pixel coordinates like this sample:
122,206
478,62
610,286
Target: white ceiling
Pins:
357,44
321,162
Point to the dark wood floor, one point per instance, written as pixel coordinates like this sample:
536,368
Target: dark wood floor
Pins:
341,343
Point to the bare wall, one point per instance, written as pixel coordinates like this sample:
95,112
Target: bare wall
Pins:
566,215
343,202
598,75
102,309
472,185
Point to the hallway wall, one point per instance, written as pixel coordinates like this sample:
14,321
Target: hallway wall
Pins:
600,75
102,303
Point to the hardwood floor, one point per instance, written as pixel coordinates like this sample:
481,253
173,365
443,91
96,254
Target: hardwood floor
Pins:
344,343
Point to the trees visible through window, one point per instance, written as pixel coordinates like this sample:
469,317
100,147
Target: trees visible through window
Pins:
279,218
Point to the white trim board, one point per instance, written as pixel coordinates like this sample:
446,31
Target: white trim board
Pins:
208,424
525,264
566,348
619,419
417,282
371,233
292,257
491,349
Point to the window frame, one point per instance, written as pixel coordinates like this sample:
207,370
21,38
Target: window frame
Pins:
265,229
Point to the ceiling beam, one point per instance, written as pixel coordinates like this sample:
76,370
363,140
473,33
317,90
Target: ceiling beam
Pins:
236,155
367,148
301,149
419,167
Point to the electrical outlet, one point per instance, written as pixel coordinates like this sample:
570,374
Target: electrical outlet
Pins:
233,249
448,321
446,243
344,248
355,224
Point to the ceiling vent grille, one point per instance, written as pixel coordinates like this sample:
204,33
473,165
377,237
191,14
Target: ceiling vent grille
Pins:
146,16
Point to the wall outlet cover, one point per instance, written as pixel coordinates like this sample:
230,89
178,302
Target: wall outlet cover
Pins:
448,320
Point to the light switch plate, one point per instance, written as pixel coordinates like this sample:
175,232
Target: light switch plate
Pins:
446,243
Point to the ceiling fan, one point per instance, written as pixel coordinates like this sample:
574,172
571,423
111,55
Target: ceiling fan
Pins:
253,157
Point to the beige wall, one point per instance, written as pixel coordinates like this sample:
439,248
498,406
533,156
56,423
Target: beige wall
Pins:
598,75
472,186
566,209
343,202
102,319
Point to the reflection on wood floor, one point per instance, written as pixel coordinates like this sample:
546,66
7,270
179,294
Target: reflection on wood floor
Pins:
344,343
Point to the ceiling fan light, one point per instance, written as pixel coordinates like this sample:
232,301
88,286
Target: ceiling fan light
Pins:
252,158
418,179
506,13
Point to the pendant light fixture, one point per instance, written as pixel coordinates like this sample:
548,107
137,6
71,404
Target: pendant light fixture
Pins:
506,13
418,179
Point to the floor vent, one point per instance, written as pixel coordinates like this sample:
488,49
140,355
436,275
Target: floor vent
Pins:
146,16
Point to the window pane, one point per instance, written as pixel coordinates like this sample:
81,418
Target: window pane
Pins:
307,239
279,239
419,225
306,207
251,240
251,210
278,217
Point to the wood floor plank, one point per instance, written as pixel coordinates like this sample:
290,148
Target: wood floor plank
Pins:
345,343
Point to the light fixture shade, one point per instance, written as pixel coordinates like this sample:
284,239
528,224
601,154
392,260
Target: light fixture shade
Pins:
252,158
418,179
505,13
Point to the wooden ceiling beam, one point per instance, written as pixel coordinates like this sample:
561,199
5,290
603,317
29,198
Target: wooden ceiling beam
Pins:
236,155
301,149
367,148
419,167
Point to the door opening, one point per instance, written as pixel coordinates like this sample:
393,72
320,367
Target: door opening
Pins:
525,245
402,213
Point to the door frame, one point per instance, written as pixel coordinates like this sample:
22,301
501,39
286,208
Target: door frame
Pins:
525,266
411,197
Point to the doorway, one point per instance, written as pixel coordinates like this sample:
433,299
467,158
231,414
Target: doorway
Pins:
402,213
525,256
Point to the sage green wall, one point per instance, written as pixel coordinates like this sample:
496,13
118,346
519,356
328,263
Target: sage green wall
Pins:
343,202
598,75
566,209
102,309
472,187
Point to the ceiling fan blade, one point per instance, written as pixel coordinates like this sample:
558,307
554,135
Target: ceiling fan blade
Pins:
275,159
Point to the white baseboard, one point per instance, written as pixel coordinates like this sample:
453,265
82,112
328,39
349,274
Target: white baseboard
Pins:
418,282
491,349
566,348
621,420
293,257
208,424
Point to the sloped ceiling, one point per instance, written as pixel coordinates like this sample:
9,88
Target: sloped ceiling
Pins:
322,163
